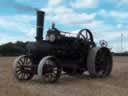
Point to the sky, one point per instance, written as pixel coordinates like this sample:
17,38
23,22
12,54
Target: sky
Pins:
107,19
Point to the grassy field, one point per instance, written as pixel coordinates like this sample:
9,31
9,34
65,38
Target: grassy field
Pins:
116,85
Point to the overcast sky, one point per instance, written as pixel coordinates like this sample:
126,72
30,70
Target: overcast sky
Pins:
107,19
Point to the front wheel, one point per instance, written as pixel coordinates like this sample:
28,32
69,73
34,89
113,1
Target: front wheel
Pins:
22,68
49,69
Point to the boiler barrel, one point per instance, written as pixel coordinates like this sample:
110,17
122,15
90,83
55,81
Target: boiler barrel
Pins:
39,48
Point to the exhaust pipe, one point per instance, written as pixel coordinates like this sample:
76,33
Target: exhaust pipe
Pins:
40,25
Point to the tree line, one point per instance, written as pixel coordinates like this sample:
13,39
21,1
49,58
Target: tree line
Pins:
13,49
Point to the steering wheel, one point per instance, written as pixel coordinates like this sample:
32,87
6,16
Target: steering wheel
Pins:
85,34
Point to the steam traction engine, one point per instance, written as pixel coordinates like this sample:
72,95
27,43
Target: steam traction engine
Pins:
61,53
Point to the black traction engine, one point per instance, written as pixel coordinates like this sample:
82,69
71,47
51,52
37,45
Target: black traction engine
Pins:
62,52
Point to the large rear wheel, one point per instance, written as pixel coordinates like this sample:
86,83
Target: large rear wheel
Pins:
99,62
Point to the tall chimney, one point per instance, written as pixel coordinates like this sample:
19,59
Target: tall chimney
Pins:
40,25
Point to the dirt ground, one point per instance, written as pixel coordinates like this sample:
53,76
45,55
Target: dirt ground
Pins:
116,85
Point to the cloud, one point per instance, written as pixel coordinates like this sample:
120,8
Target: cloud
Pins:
102,12
119,26
84,3
113,13
118,4
12,21
70,18
57,10
31,32
119,15
121,2
114,16
117,19
120,18
54,2
13,7
17,27
67,15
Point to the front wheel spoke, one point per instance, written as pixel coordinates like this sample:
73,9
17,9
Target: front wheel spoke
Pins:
29,63
25,60
19,76
27,68
27,75
18,67
21,61
19,73
23,76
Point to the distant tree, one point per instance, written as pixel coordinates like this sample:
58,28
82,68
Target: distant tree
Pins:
12,49
121,54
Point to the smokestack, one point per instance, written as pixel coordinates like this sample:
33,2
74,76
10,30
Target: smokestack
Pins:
40,25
